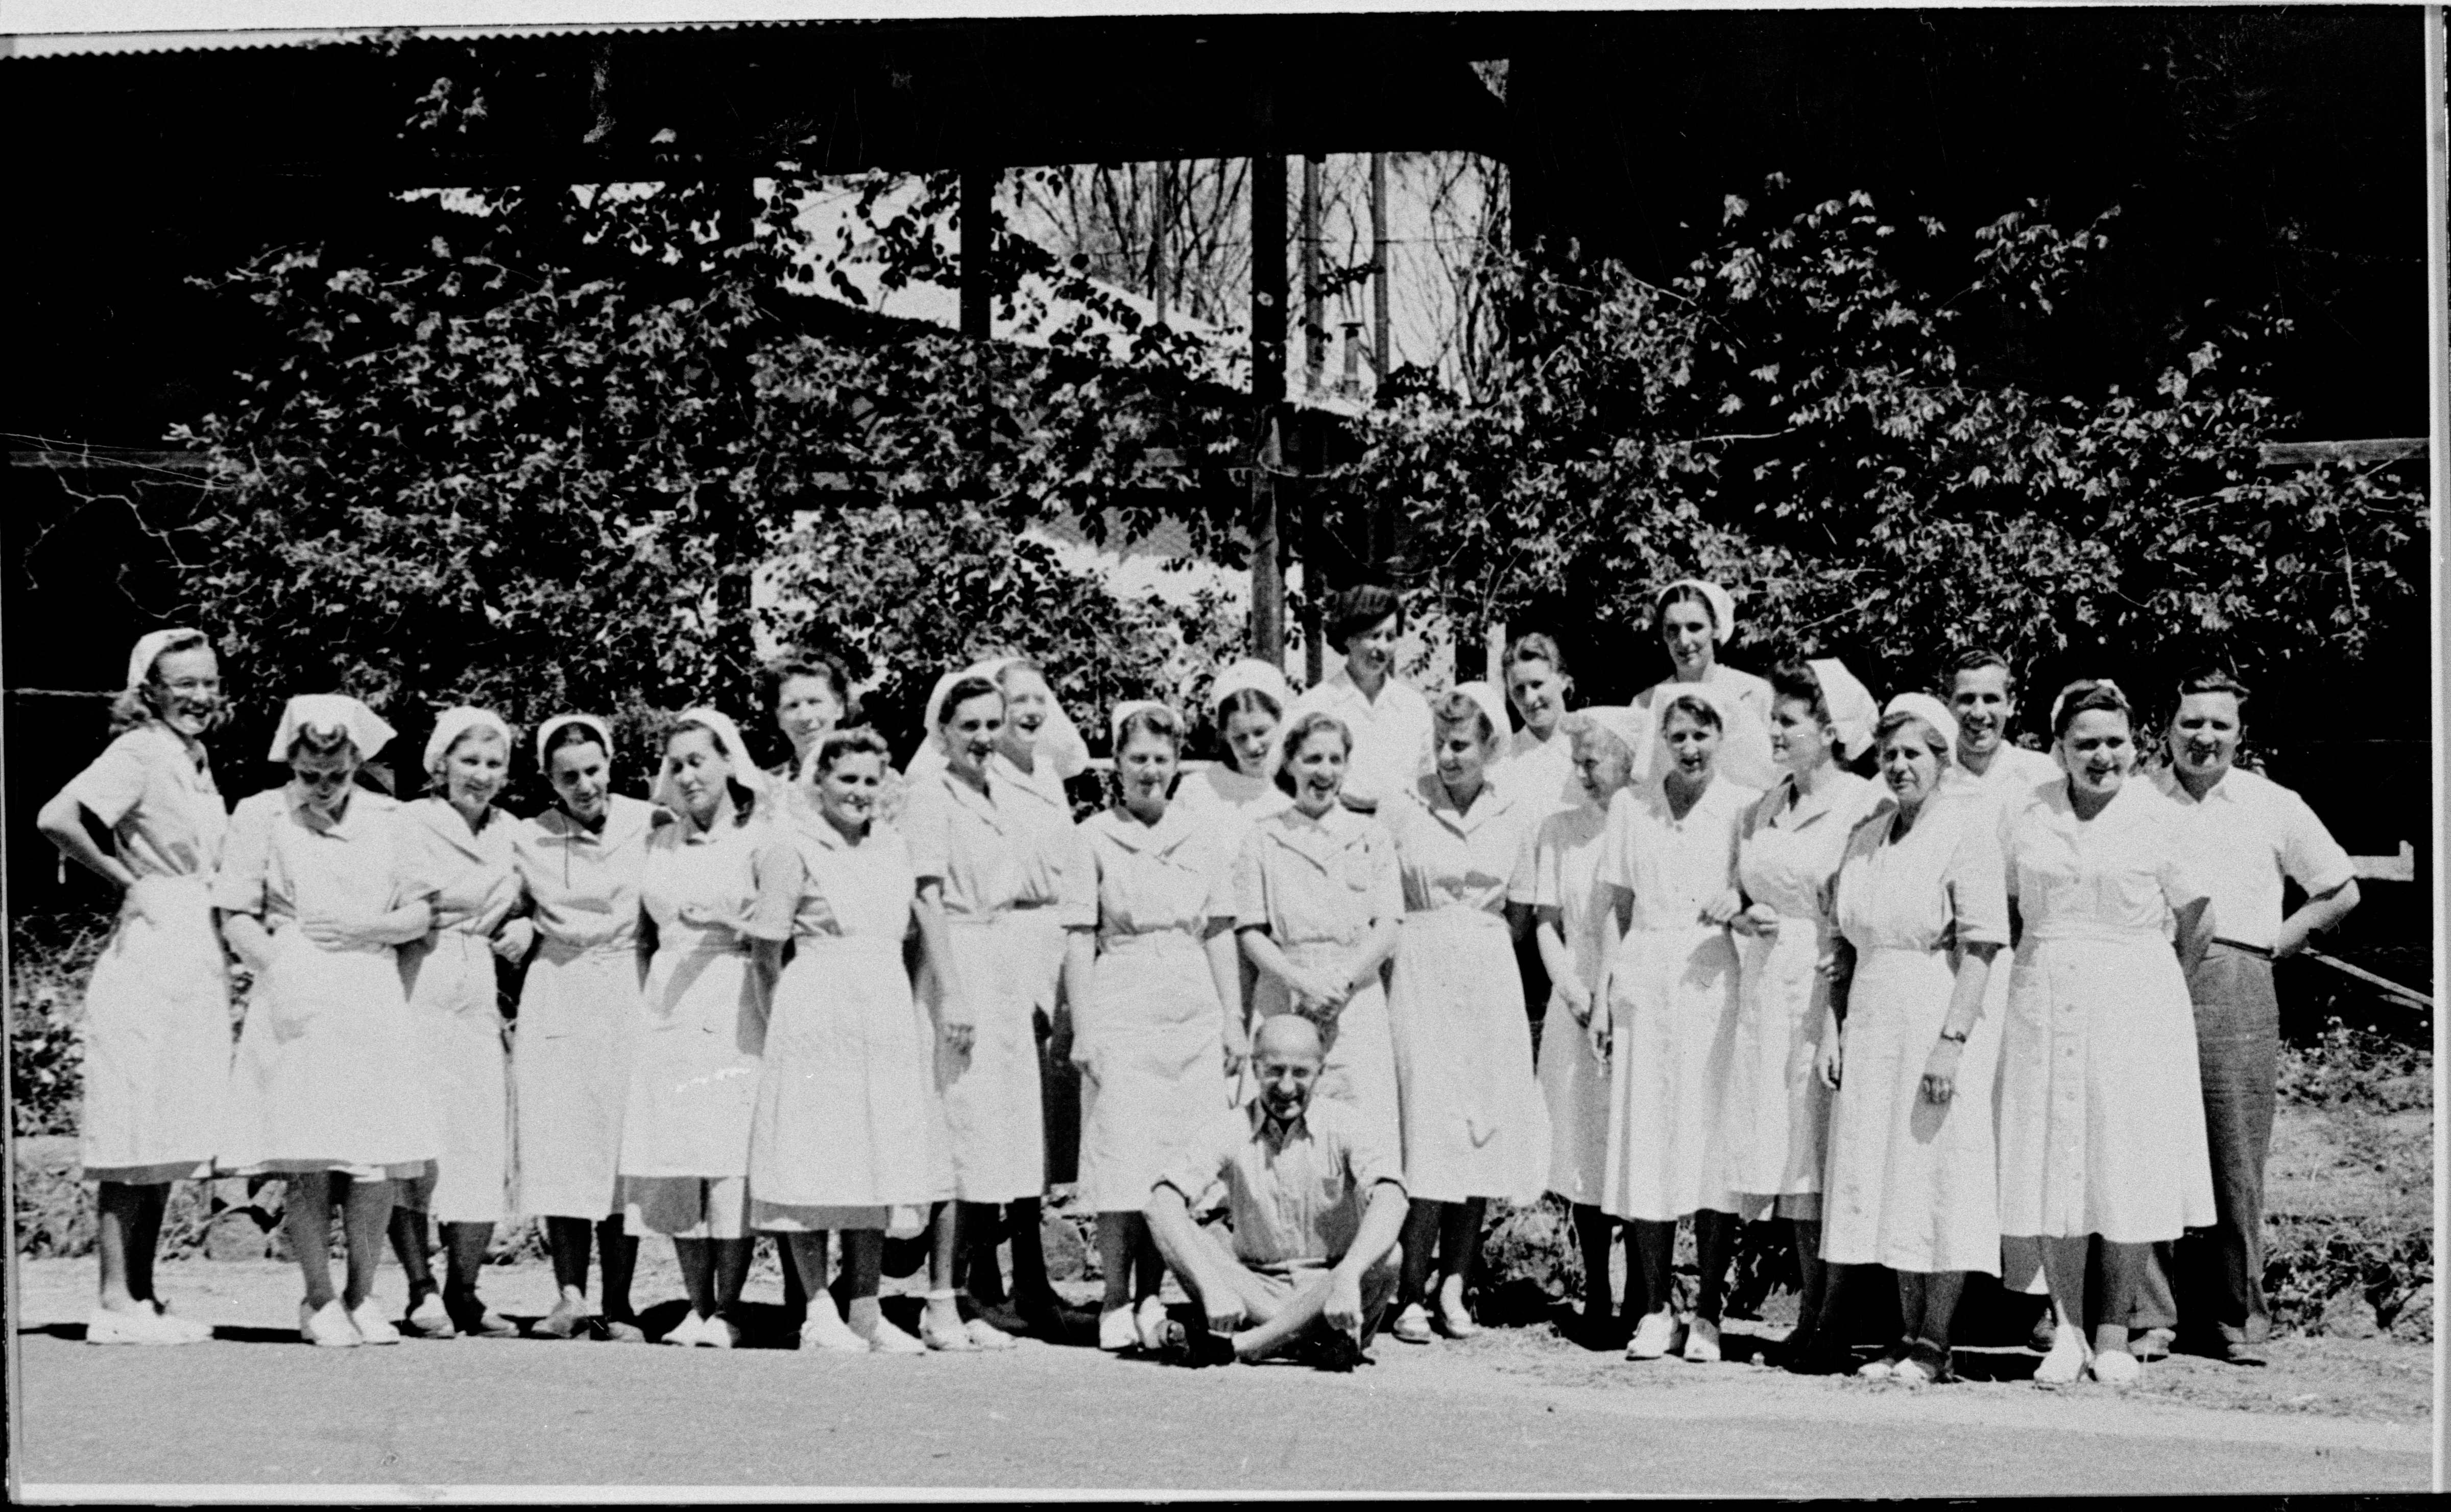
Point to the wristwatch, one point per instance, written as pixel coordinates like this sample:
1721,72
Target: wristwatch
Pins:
1958,1038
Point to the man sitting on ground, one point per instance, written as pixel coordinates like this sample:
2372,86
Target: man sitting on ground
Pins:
1316,1206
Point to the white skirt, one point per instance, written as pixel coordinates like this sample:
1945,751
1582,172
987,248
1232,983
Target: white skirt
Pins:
458,1029
570,1074
1913,1184
1155,1073
694,1078
1575,1084
1472,1117
1673,1001
323,1080
989,1094
157,1039
1774,1110
839,1135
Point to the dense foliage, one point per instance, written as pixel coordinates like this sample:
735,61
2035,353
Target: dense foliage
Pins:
1790,418
579,456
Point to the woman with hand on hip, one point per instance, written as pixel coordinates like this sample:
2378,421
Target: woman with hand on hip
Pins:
1670,857
460,845
1774,1108
579,865
1576,924
841,1136
1475,1127
156,1062
718,889
1318,900
2102,1119
1922,914
316,895
1694,620
1158,1017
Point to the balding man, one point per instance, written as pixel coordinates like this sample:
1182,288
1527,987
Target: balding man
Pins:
1317,1202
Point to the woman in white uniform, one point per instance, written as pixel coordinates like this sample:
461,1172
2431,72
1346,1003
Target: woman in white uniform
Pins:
1774,1108
1158,1010
580,864
1694,620
1921,911
157,1007
976,848
1250,701
718,889
1575,921
459,844
316,896
1318,901
1538,761
2102,1123
1670,855
1474,1124
841,1136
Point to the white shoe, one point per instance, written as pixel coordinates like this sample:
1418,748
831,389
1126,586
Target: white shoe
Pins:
1876,1369
825,1329
187,1329
1702,1342
887,1339
1148,1320
987,1336
372,1327
2066,1360
1654,1336
328,1327
685,1332
2116,1368
1117,1332
142,1326
719,1332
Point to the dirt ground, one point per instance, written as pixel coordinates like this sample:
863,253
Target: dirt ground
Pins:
1516,1410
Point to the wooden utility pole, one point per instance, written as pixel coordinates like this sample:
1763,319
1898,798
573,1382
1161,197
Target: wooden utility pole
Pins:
1314,315
978,243
1383,529
1267,392
1157,238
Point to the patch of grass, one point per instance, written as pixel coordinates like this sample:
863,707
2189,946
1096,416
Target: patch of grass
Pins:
2347,1067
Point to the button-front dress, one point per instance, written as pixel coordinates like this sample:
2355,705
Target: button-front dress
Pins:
1912,1183
579,1006
1039,797
1672,1001
1317,886
2102,1119
453,1006
157,1023
2004,786
1473,1121
693,1077
1574,1080
846,1133
319,1081
1154,1054
1774,1111
987,850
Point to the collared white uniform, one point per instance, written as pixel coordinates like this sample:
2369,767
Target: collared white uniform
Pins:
1391,732
453,1004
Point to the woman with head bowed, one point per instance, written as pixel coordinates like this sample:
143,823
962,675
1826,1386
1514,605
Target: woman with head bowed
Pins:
460,845
995,876
1157,1008
157,1007
1773,1108
1248,704
2101,1118
844,1136
1695,619
1318,900
1475,1127
317,892
718,890
1921,914
1576,926
579,865
1670,857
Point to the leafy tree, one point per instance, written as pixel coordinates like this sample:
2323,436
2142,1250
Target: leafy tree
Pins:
1790,418
541,461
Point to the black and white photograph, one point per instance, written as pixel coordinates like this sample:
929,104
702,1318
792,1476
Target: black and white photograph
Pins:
1231,751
